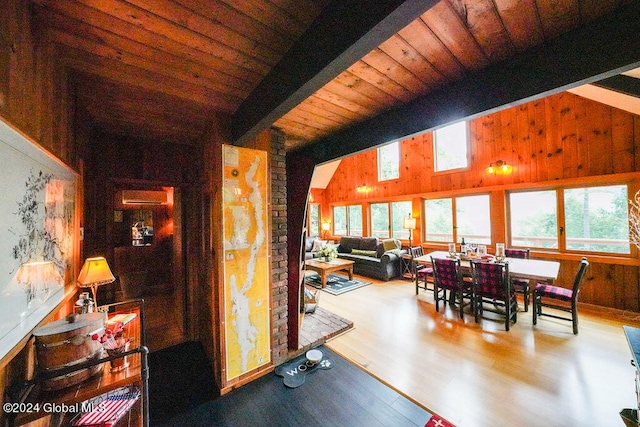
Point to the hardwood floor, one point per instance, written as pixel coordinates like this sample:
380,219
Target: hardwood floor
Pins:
479,374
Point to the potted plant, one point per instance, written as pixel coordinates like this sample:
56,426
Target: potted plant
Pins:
327,252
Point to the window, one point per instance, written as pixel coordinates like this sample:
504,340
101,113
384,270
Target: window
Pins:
389,161
534,220
451,219
354,214
314,220
450,145
347,220
596,219
387,219
340,220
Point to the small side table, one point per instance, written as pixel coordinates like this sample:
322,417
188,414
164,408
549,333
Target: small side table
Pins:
407,267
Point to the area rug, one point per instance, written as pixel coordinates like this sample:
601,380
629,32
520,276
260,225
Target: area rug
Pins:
336,283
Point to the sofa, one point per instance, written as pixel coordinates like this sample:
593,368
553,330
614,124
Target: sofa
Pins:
372,257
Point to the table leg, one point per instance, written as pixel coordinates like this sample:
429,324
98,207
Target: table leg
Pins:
323,279
350,270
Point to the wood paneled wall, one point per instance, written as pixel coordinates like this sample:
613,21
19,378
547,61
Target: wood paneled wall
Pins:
561,138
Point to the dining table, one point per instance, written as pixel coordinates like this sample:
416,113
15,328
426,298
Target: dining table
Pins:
533,269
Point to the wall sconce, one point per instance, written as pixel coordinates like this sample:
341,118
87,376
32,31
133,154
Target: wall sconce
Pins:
363,189
326,226
409,224
499,167
95,272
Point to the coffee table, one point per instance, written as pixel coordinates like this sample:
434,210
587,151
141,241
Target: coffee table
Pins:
324,268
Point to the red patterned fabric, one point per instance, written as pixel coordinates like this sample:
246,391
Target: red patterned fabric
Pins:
489,280
516,253
447,273
554,292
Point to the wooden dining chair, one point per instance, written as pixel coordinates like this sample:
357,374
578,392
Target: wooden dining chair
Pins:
423,273
492,286
521,286
447,276
545,295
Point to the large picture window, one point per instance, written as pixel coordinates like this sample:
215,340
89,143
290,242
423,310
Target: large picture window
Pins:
450,147
389,161
595,219
347,220
387,219
314,220
451,219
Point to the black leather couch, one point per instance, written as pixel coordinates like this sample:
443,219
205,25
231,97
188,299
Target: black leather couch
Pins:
371,258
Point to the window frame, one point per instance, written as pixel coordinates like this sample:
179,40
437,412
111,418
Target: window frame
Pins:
397,166
561,231
390,229
348,225
310,230
454,216
467,147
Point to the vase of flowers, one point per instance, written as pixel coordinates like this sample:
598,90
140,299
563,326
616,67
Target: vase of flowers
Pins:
327,253
115,343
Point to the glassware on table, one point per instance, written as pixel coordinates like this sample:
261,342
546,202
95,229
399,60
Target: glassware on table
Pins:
500,252
482,250
452,249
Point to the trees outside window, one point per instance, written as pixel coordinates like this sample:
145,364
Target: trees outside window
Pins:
450,147
314,220
389,161
347,220
450,219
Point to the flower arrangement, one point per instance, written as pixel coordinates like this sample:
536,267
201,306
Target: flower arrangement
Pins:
113,338
328,251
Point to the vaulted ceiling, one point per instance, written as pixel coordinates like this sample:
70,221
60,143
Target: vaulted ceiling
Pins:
326,72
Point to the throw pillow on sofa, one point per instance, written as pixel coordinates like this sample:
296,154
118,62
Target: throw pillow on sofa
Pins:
389,244
317,244
363,252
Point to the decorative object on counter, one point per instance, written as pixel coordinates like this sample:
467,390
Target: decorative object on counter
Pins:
115,343
95,272
327,253
68,341
84,304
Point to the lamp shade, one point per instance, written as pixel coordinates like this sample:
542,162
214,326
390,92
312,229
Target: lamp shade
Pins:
95,272
409,223
326,226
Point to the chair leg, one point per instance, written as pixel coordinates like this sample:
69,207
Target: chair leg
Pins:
574,317
534,308
526,298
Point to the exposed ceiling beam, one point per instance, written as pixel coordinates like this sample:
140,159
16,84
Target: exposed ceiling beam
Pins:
345,31
623,84
600,49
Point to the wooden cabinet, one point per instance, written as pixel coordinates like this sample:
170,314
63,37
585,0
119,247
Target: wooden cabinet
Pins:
30,403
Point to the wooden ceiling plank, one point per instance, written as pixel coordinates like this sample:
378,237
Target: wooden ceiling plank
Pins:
316,105
294,128
89,34
520,18
152,23
127,59
97,19
209,27
402,52
320,122
483,22
271,16
558,16
251,27
334,94
603,48
395,71
369,74
345,31
112,70
447,26
424,41
362,91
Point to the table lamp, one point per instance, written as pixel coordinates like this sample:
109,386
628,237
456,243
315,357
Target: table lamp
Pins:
326,226
95,272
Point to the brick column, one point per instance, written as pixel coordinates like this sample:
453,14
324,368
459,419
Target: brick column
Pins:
279,271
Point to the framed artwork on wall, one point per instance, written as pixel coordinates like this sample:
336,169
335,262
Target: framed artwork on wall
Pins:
39,234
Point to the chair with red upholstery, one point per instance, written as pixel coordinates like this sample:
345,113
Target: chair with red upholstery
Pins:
448,277
545,295
423,273
492,286
521,286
